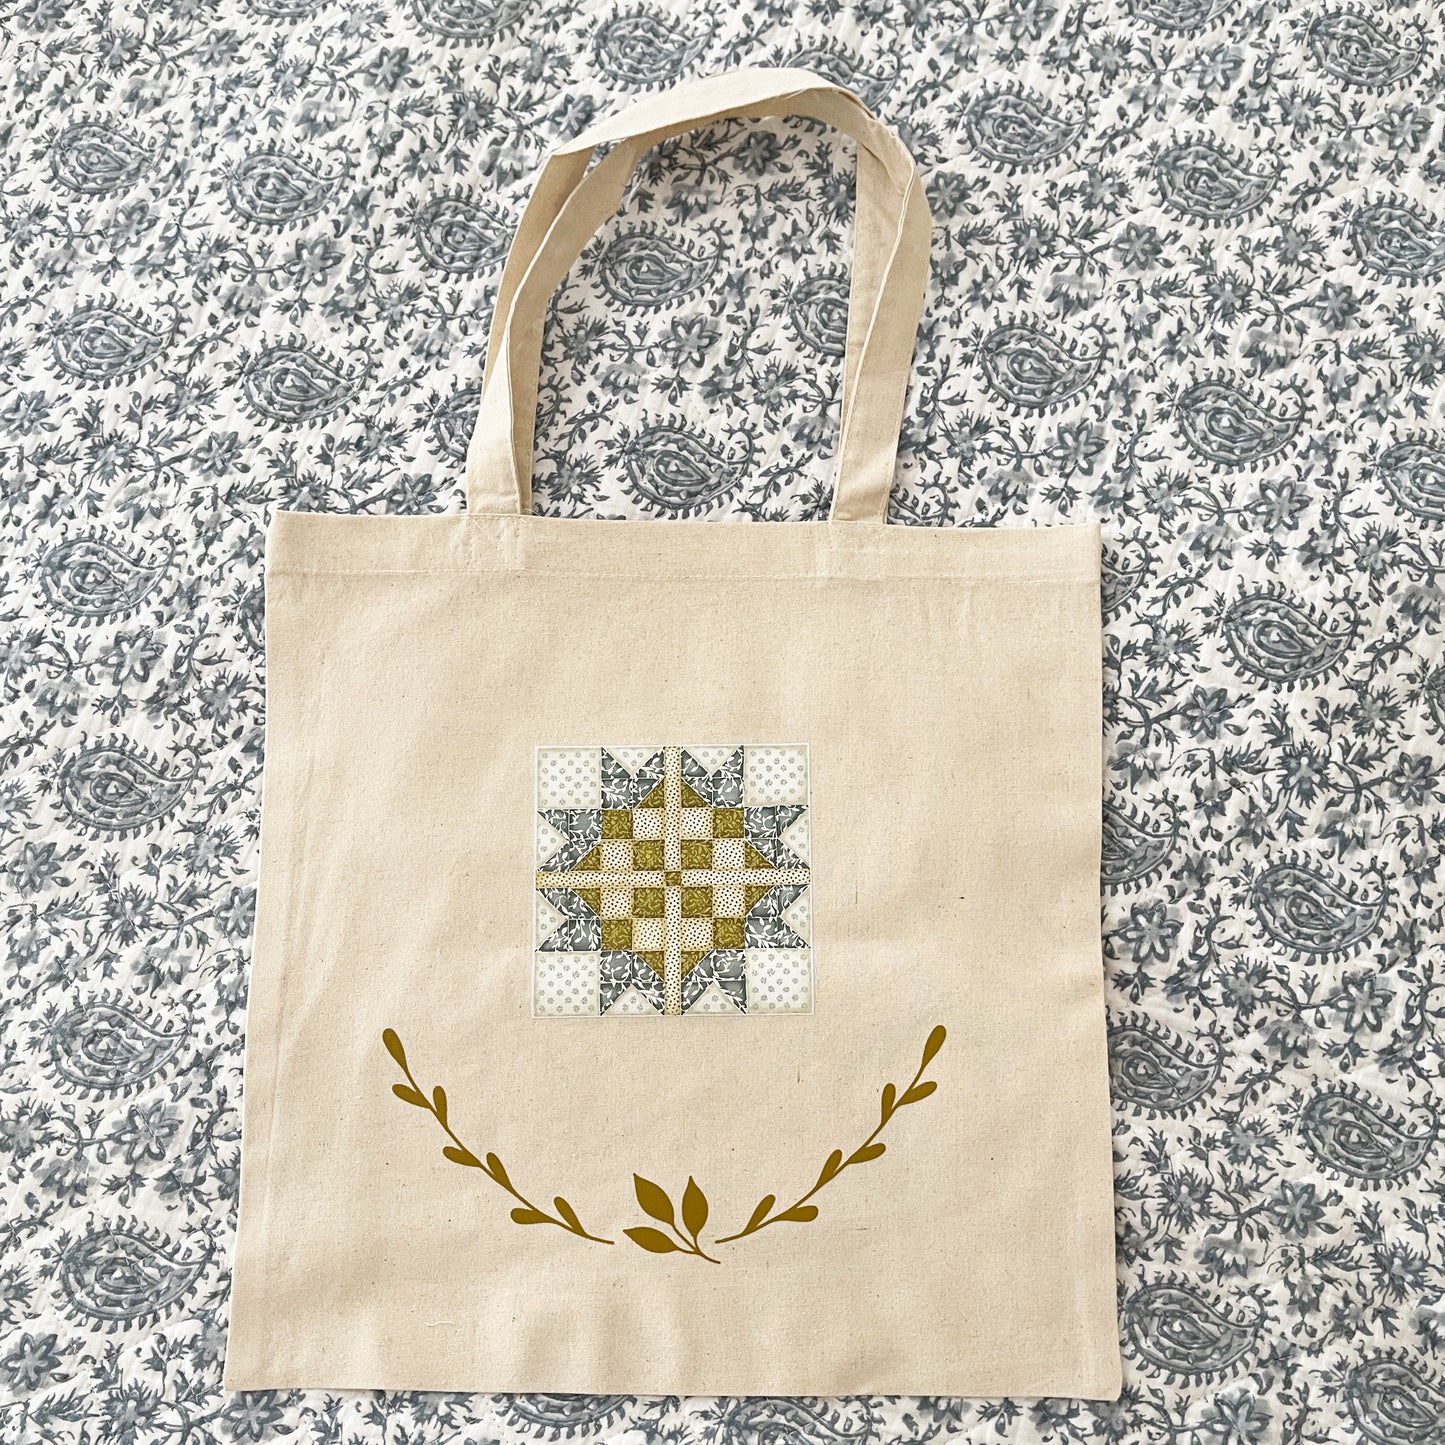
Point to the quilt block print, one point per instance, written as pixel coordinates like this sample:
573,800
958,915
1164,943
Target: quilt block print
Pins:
672,880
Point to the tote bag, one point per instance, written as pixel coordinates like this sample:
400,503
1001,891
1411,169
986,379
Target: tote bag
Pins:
677,963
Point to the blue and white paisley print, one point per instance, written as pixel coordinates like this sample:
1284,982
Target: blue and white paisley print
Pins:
1189,264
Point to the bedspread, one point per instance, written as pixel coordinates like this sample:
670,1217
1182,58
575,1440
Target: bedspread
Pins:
1188,263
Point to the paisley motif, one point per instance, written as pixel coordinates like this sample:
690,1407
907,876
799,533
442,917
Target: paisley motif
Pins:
1134,848
1127,566
283,9
452,420
111,791
1019,129
644,269
1433,692
468,19
1179,16
1155,1071
290,384
277,187
92,158
126,1275
345,177
91,578
769,1420
818,312
460,236
1355,48
870,78
1029,369
562,1417
1307,912
1280,640
1202,180
1414,474
104,1047
1396,241
1394,1403
670,468
643,47
1225,426
1177,1330
102,343
1364,1139
251,618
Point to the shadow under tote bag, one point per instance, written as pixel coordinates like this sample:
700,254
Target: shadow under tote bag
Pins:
677,962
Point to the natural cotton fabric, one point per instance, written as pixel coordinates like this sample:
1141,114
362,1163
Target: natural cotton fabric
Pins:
947,686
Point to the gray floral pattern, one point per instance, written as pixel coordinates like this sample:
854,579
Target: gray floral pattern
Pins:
1188,270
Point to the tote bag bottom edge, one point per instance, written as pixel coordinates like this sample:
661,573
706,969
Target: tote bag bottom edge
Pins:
1104,1383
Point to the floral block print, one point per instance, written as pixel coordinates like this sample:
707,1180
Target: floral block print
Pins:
672,880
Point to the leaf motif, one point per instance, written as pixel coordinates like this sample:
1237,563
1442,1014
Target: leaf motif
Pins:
462,1156
568,1214
800,1214
653,1199
408,1095
935,1042
393,1046
529,1216
694,1207
919,1091
494,1168
761,1212
889,1095
830,1168
439,1104
866,1152
652,1240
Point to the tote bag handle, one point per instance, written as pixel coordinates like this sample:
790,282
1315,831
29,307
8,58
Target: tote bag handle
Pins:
891,237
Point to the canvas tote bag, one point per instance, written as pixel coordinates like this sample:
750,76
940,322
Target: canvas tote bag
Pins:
677,961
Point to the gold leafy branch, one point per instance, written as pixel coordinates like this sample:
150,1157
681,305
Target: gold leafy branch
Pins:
655,1202
801,1211
687,1222
436,1105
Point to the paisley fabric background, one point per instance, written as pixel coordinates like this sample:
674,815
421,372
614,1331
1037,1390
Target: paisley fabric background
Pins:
1187,278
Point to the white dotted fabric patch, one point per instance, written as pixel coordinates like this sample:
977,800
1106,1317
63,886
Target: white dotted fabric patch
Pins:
631,1002
712,1000
633,758
547,921
569,778
797,915
549,840
797,839
780,980
775,776
565,984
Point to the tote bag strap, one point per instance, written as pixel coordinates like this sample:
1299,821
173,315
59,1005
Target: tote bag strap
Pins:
890,271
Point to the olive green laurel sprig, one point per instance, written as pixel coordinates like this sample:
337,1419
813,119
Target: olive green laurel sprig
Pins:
685,1237
654,1201
801,1211
526,1212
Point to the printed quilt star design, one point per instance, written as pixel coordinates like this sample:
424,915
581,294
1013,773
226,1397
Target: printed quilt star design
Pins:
672,880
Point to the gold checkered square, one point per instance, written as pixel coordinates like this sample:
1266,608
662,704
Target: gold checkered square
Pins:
616,933
727,823
728,932
648,902
617,822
